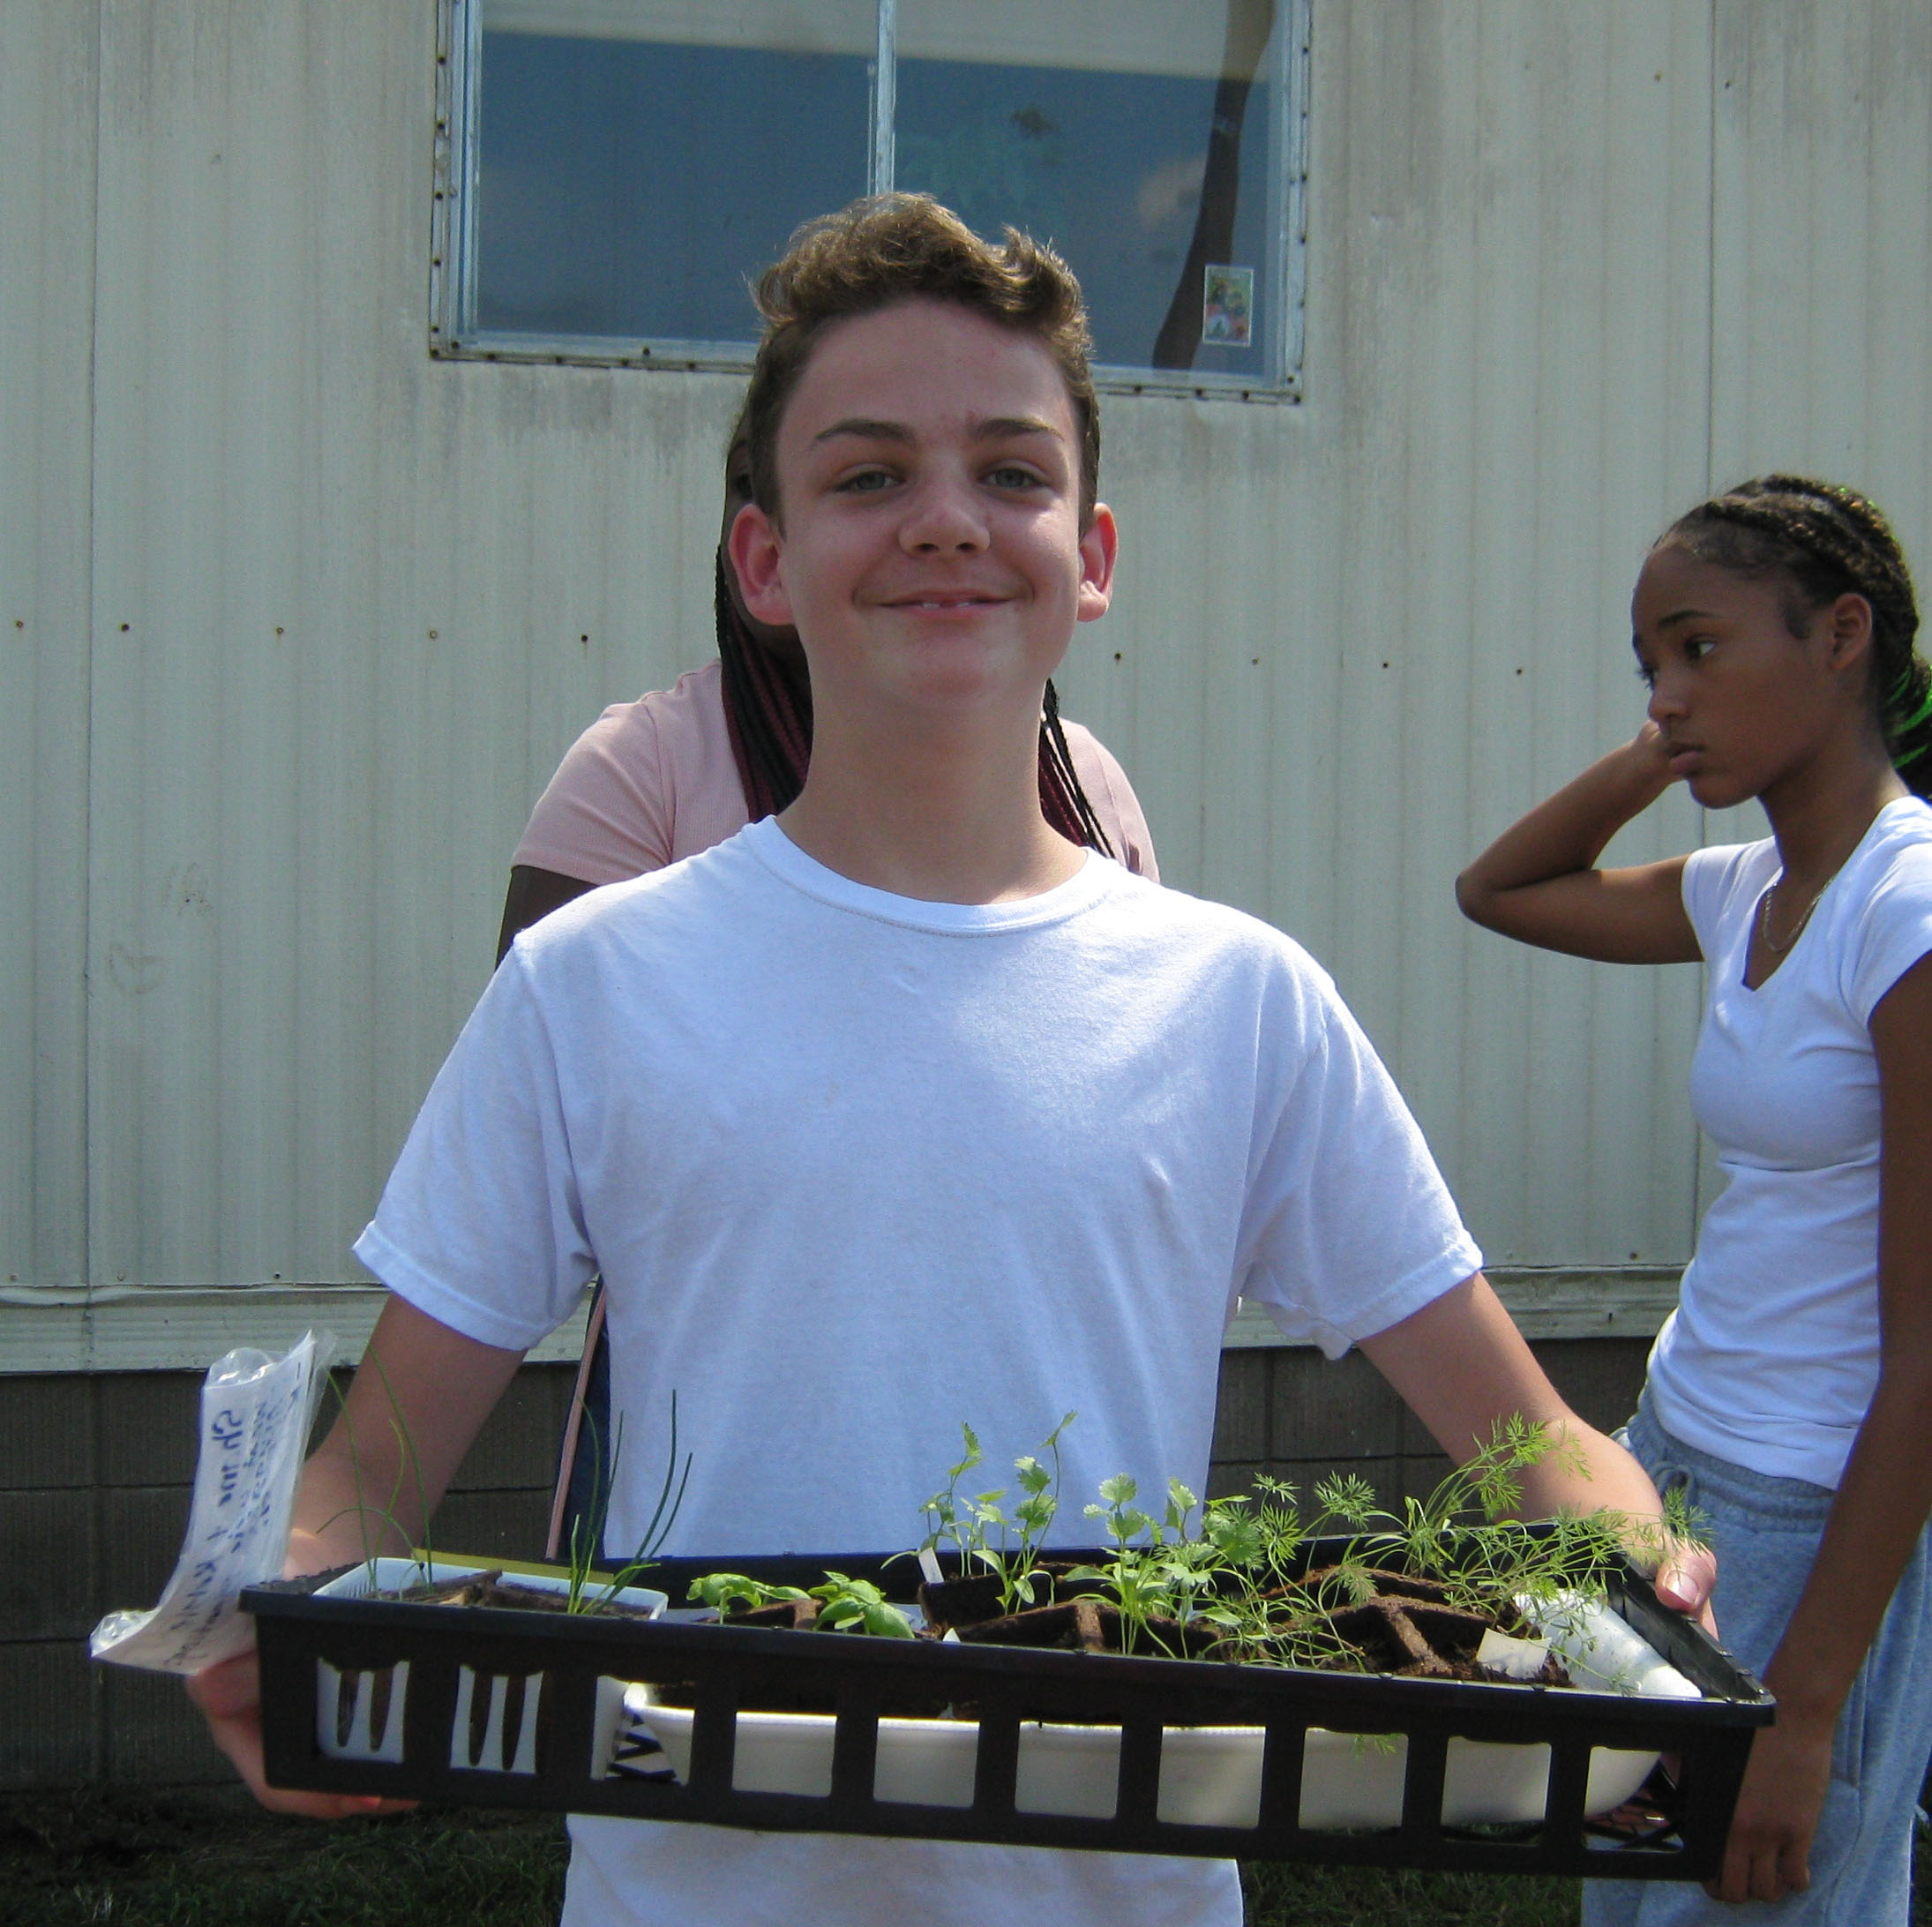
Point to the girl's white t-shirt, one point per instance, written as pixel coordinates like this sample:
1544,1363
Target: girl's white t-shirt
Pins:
1771,1355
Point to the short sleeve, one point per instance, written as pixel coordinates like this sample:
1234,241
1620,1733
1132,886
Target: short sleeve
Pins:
1113,800
480,1225
1711,879
1349,1228
1895,929
606,814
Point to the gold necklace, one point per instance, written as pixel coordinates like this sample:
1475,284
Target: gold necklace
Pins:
1798,929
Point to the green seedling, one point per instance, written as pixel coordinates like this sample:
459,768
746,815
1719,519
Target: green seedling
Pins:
586,1593
372,1519
1235,1565
849,1605
944,1517
845,1604
731,1592
980,1531
590,1588
1182,1566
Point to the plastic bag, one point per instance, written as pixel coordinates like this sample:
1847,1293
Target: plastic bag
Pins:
256,1411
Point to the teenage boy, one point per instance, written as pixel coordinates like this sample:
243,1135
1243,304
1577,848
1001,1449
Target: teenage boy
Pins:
899,1109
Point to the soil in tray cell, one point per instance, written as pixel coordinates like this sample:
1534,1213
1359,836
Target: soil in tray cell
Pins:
492,1589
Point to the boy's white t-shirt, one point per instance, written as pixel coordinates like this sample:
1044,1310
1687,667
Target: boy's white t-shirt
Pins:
856,1168
1771,1356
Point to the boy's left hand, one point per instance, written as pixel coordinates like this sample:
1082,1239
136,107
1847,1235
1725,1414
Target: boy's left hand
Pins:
1768,1853
1684,1582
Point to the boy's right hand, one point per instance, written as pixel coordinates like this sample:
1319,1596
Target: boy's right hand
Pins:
229,1695
430,1391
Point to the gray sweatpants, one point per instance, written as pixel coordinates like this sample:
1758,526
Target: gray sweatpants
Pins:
1765,1532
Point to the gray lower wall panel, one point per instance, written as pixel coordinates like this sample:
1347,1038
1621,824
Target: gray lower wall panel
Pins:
95,1473
152,1736
145,1425
47,1436
53,1732
53,1565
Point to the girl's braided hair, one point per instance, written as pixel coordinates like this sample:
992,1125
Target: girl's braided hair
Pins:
1828,541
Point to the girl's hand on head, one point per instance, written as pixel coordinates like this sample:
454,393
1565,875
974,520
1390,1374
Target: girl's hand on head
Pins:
1647,752
1769,1851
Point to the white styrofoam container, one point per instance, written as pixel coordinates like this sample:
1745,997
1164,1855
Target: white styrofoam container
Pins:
379,1697
1210,1776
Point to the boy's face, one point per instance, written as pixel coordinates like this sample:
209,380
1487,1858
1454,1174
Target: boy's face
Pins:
929,553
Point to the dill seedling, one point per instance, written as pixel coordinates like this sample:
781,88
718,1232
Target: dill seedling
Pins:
1240,1568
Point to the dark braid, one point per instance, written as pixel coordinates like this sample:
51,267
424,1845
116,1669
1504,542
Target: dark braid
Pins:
1063,802
769,723
1830,541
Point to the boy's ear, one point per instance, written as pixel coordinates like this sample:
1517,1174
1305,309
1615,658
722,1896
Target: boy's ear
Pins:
755,546
1098,548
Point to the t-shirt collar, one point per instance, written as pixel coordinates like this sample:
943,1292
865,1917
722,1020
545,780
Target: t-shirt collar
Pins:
776,852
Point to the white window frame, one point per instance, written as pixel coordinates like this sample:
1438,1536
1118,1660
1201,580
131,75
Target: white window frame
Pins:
452,252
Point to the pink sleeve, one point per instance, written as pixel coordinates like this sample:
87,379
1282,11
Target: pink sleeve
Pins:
1113,800
605,814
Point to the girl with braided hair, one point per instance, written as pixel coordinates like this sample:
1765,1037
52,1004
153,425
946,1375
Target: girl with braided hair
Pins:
680,771
1788,1393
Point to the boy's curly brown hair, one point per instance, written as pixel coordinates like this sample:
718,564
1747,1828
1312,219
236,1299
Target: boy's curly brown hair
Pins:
896,247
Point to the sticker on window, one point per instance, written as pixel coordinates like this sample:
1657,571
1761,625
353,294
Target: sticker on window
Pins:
1227,306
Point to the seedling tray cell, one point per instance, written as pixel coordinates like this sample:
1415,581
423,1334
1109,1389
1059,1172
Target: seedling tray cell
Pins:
485,1707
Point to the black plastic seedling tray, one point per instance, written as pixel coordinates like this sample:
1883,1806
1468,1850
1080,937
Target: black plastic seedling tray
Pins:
553,1751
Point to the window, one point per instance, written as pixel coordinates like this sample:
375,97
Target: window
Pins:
613,171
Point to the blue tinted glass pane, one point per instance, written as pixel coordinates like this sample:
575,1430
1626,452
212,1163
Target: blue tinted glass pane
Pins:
630,187
1112,168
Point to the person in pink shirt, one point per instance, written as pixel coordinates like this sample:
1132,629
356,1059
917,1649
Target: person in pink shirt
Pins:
680,769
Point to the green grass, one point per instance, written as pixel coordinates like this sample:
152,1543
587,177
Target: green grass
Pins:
1280,1895
212,1859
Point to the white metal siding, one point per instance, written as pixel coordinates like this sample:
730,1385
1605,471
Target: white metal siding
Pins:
1367,632
47,149
1567,265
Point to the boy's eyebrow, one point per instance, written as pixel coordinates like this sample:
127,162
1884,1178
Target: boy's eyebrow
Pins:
1685,615
993,428
865,430
998,427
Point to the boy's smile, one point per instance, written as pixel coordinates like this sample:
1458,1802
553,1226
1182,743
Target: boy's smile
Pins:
928,546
